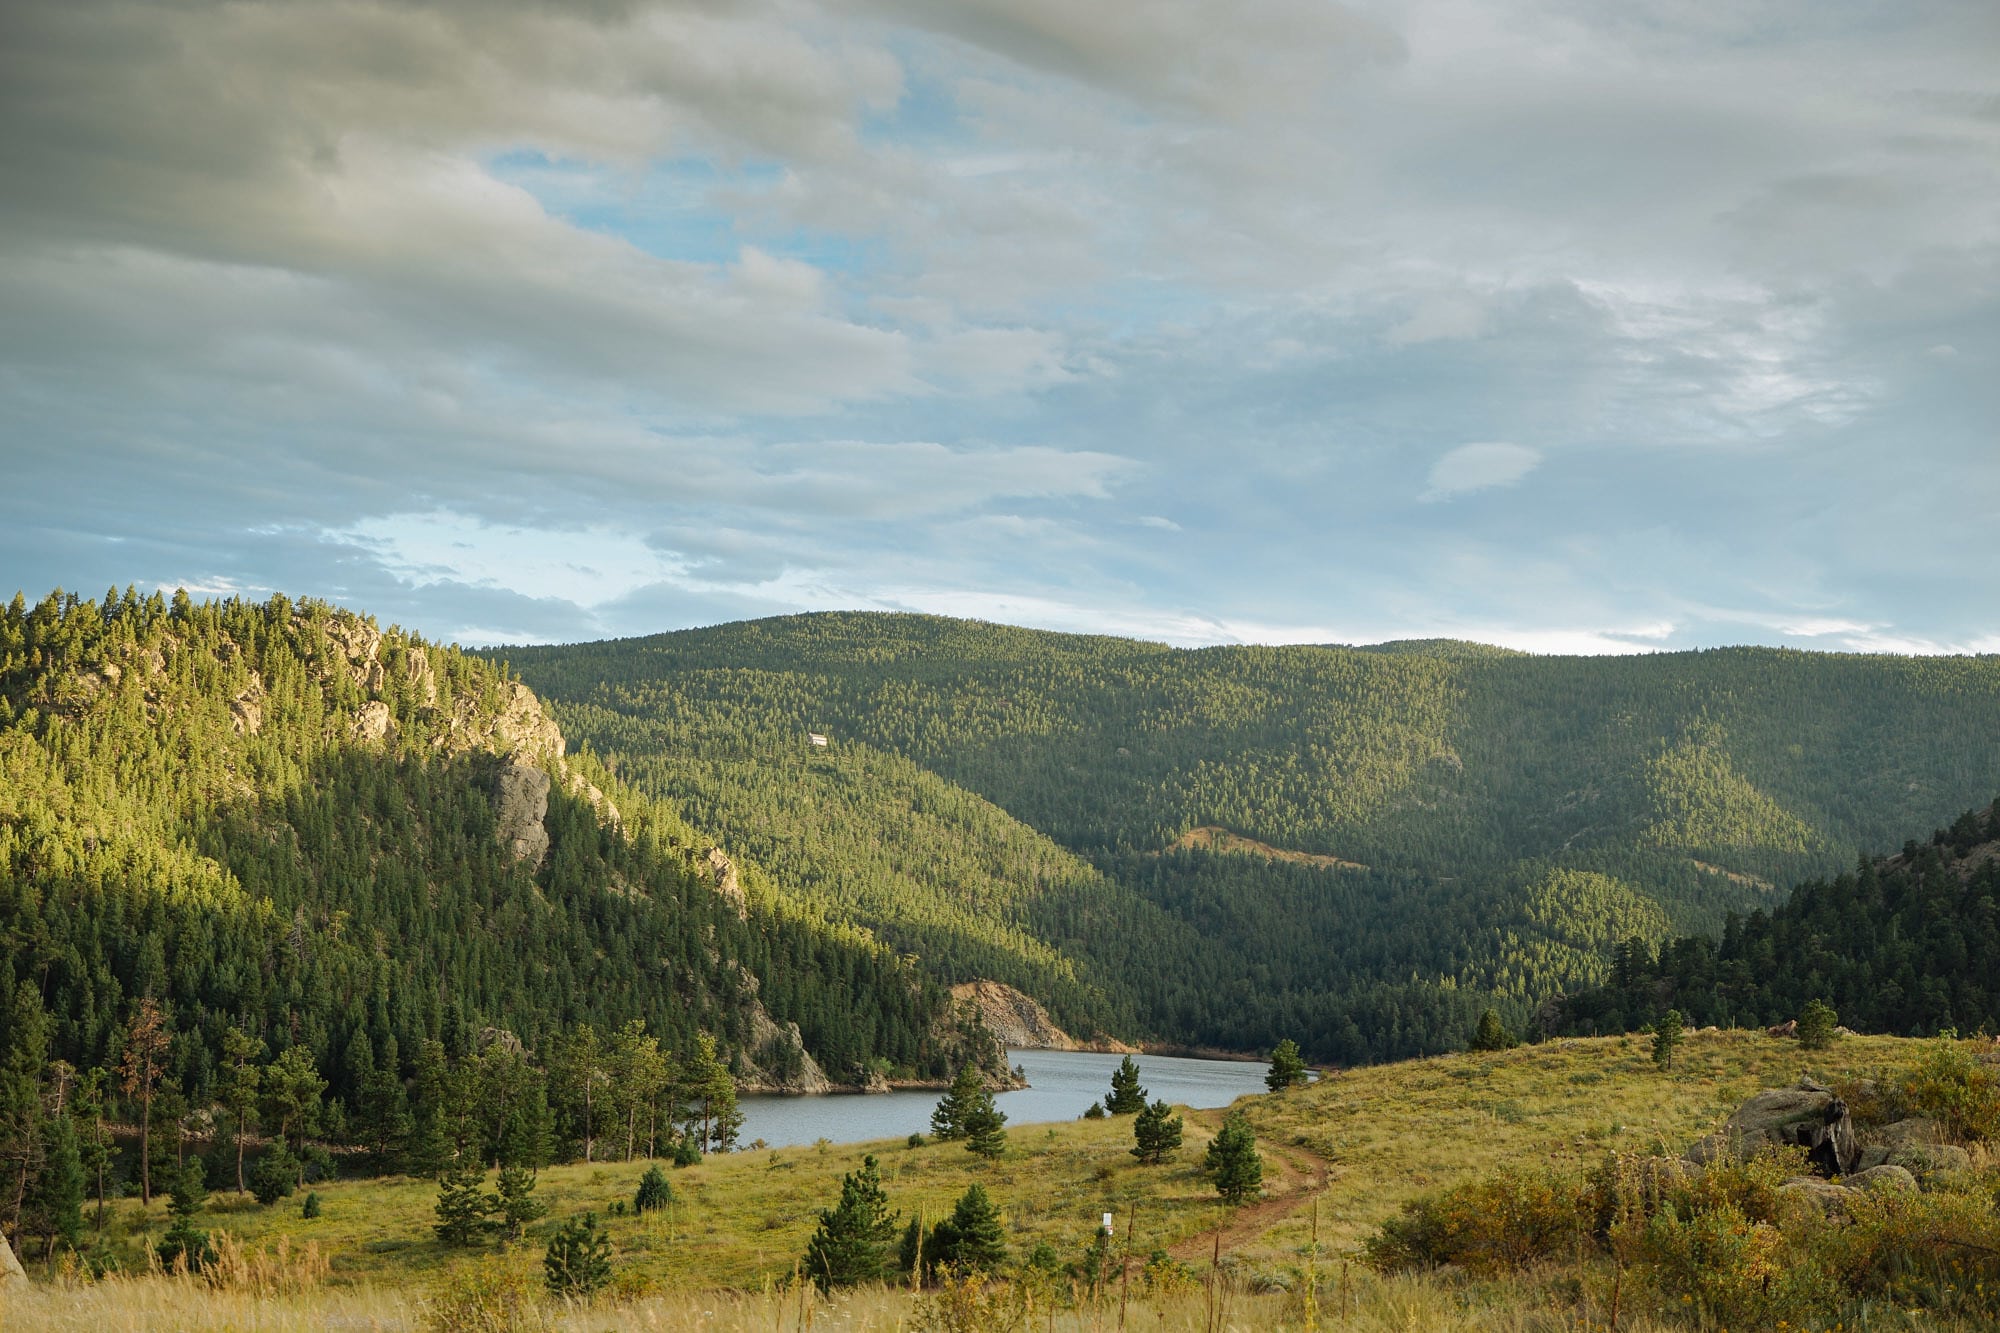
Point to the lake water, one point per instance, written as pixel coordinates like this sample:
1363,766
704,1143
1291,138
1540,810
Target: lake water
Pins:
1061,1085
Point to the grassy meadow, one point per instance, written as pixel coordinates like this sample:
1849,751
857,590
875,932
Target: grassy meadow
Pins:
1340,1157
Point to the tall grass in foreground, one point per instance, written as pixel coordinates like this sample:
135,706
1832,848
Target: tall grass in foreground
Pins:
180,1305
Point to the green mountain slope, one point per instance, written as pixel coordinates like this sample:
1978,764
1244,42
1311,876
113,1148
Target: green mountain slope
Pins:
1506,818
1901,944
282,818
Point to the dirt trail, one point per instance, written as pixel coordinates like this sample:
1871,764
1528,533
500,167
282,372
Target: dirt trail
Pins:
1291,1178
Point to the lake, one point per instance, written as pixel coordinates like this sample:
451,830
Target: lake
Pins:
1061,1085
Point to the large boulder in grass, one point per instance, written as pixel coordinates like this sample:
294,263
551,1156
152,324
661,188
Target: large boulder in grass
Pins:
11,1272
1807,1115
1893,1178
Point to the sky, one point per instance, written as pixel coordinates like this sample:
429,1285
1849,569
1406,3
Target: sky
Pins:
1570,326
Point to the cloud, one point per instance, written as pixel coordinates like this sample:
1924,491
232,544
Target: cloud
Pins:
708,309
1478,467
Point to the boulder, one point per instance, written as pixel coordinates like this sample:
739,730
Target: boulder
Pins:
1807,1115
1820,1193
1927,1161
11,1272
1893,1178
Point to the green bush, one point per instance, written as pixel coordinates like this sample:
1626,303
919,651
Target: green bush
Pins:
654,1192
578,1260
275,1176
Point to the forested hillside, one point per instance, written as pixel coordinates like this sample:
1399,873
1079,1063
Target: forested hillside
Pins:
284,825
1901,944
1507,818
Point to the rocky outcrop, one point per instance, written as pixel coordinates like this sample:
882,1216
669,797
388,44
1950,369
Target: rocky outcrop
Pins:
1808,1115
775,1058
372,723
728,886
520,805
11,1272
1013,1018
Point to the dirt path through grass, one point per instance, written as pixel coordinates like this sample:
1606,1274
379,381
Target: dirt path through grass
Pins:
1291,1177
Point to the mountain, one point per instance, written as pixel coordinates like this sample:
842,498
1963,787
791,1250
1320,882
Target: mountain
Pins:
284,818
1395,836
1901,944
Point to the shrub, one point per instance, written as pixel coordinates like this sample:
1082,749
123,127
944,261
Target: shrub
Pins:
310,1208
483,1298
1952,1088
1490,1226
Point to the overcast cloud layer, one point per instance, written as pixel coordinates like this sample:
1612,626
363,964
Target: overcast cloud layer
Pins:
1571,326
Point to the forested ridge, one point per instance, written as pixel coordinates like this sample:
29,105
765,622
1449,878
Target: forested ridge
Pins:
281,824
1900,944
1516,816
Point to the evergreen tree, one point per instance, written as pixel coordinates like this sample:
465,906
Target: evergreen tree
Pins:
851,1245
515,1202
274,1175
463,1205
978,1241
238,1083
24,1050
1127,1097
1817,1022
1157,1134
654,1191
1288,1068
577,1263
1492,1034
1232,1163
59,1189
94,1142
186,1244
140,1069
985,1126
292,1092
948,1118
1668,1032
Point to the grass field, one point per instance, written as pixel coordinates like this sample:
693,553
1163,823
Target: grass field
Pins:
1345,1153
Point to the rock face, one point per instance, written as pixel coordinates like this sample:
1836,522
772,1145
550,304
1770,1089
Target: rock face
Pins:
723,870
774,1059
1808,1115
1014,1018
520,804
11,1272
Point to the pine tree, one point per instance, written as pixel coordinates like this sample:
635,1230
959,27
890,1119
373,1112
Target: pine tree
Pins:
1492,1034
59,1190
1127,1097
851,1245
654,1191
185,1243
1157,1134
1817,1022
948,1119
1288,1068
1667,1034
273,1176
515,1202
24,1051
292,1092
978,1241
578,1260
1232,1163
463,1205
139,1072
238,1084
985,1126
